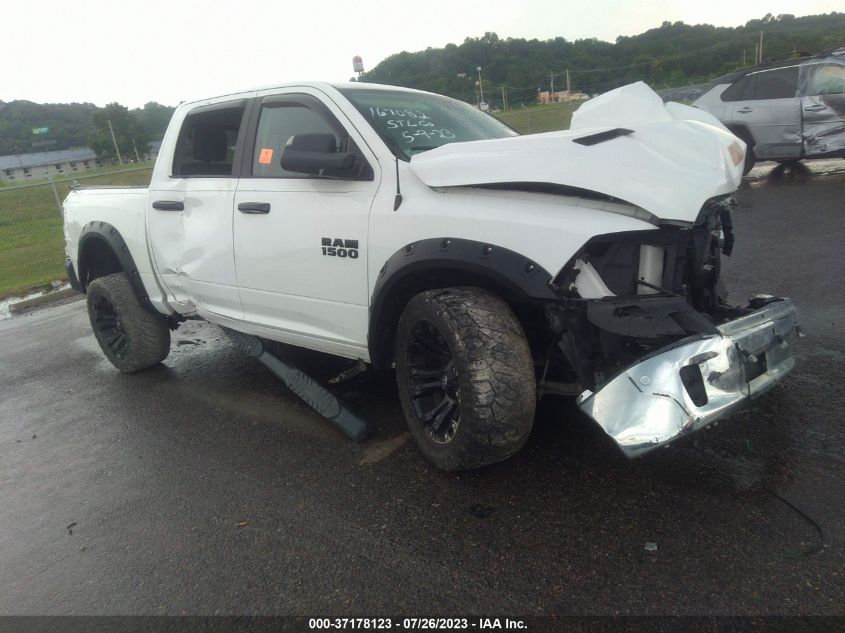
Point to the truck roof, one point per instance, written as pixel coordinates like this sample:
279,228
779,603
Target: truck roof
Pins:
321,85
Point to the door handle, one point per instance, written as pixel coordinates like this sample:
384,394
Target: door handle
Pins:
745,110
254,208
169,205
815,108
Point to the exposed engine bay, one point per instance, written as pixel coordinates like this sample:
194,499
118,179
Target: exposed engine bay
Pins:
627,294
644,331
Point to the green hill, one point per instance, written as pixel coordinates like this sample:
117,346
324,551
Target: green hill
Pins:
67,125
675,54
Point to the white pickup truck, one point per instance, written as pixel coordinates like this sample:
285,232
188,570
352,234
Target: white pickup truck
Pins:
408,230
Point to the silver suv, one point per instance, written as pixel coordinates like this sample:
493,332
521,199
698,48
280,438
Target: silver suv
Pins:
785,111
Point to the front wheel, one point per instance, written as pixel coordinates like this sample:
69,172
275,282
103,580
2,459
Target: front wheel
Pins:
131,337
466,377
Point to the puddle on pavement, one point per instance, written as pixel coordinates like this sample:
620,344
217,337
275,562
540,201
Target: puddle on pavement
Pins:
771,173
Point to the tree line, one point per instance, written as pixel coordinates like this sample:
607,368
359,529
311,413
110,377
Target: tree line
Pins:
672,55
34,127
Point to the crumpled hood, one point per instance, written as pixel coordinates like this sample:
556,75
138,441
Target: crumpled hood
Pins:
676,158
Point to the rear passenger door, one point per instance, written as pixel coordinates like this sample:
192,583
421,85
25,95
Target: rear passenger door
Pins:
190,219
823,106
301,240
767,104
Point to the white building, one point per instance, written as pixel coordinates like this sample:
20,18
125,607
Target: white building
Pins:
19,168
561,97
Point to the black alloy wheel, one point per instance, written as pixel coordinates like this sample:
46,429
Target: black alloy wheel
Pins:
109,327
432,383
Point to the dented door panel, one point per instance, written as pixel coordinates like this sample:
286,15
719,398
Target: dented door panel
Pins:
771,110
823,108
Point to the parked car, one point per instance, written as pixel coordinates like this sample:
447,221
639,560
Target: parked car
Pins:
786,111
413,232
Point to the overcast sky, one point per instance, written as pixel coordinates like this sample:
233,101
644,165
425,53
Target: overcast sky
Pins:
169,51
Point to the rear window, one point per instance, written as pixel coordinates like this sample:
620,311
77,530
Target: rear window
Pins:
738,90
776,84
781,83
207,141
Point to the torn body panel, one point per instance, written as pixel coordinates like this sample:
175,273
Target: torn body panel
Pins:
656,365
823,108
690,384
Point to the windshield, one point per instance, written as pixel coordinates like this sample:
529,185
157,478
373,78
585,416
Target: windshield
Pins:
411,122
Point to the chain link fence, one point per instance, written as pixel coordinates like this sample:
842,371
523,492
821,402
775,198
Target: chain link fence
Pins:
32,250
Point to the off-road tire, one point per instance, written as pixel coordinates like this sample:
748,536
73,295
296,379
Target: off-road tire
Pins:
492,369
131,337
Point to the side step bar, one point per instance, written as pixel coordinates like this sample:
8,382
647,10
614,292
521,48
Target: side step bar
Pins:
314,394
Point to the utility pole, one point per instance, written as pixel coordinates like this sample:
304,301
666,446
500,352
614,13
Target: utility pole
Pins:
567,82
756,54
480,85
761,48
552,91
55,194
135,147
114,140
504,98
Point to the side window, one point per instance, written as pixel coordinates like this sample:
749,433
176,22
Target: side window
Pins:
827,79
736,90
276,125
776,84
207,140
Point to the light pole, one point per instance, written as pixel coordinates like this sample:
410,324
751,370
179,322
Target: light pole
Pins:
480,85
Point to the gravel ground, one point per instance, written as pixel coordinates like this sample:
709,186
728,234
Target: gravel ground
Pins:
203,487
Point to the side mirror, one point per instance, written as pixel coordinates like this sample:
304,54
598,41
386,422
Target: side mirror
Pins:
316,154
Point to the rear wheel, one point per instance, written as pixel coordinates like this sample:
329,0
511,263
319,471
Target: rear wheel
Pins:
466,377
131,337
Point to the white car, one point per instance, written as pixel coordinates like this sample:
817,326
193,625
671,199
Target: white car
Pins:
407,230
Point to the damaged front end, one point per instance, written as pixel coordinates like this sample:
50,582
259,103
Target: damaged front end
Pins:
645,331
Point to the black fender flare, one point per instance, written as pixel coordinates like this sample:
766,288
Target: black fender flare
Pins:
443,262
106,233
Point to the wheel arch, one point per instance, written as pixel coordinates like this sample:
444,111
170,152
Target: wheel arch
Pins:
103,251
448,262
742,132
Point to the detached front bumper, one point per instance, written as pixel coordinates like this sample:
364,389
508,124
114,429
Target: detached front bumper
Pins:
686,386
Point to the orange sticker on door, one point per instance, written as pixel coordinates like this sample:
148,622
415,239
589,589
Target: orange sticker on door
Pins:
265,157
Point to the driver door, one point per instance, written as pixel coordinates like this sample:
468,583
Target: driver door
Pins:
300,240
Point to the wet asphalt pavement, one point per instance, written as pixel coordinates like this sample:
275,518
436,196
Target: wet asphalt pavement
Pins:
203,487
